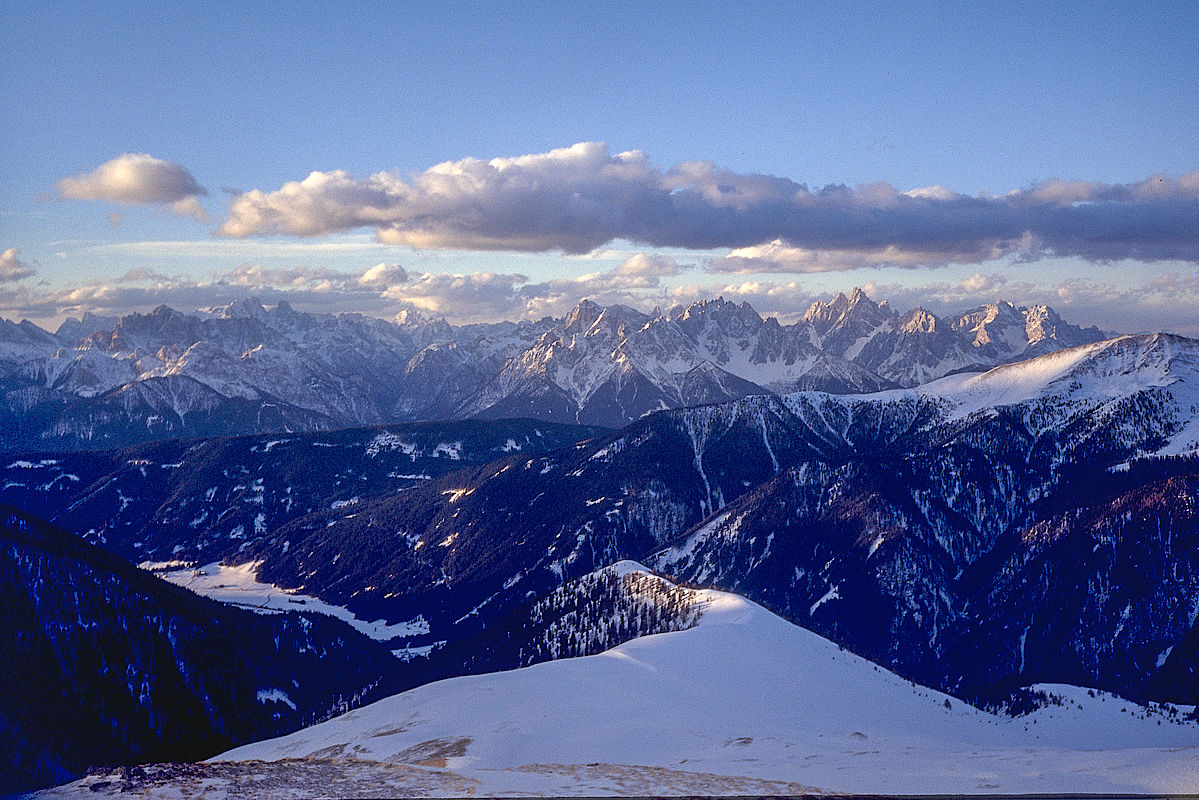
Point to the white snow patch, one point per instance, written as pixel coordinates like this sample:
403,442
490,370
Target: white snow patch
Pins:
1164,655
408,653
239,586
878,541
275,696
451,450
386,442
828,596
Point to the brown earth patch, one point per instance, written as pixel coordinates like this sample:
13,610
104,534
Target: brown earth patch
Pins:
432,753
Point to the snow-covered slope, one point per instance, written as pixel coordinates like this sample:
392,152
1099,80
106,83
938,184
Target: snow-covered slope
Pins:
1088,384
743,703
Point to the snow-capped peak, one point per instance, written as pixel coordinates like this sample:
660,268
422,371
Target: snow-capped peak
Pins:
918,321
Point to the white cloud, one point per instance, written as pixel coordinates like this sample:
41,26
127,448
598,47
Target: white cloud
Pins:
139,179
190,207
383,275
12,268
258,276
641,266
580,198
777,256
471,297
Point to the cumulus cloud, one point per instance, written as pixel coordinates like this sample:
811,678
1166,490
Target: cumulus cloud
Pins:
579,198
139,179
383,275
777,256
258,276
639,271
637,281
642,266
471,297
12,268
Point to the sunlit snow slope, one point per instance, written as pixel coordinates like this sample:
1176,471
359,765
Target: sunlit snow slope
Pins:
744,702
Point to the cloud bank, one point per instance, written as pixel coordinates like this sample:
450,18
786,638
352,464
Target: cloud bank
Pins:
579,198
1167,301
139,179
380,290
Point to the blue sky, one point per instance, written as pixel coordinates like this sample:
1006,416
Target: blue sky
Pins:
978,99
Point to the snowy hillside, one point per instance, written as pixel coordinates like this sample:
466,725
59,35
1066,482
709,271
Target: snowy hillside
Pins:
742,703
1151,379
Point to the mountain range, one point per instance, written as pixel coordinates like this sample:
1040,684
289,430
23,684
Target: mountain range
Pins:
996,537
100,382
913,526
936,530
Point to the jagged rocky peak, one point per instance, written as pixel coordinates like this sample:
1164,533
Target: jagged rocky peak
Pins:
243,308
857,305
1014,329
72,329
582,317
412,317
618,317
723,312
159,318
25,331
1042,322
989,321
918,321
163,325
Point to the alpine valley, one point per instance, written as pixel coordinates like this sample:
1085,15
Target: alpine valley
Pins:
693,551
